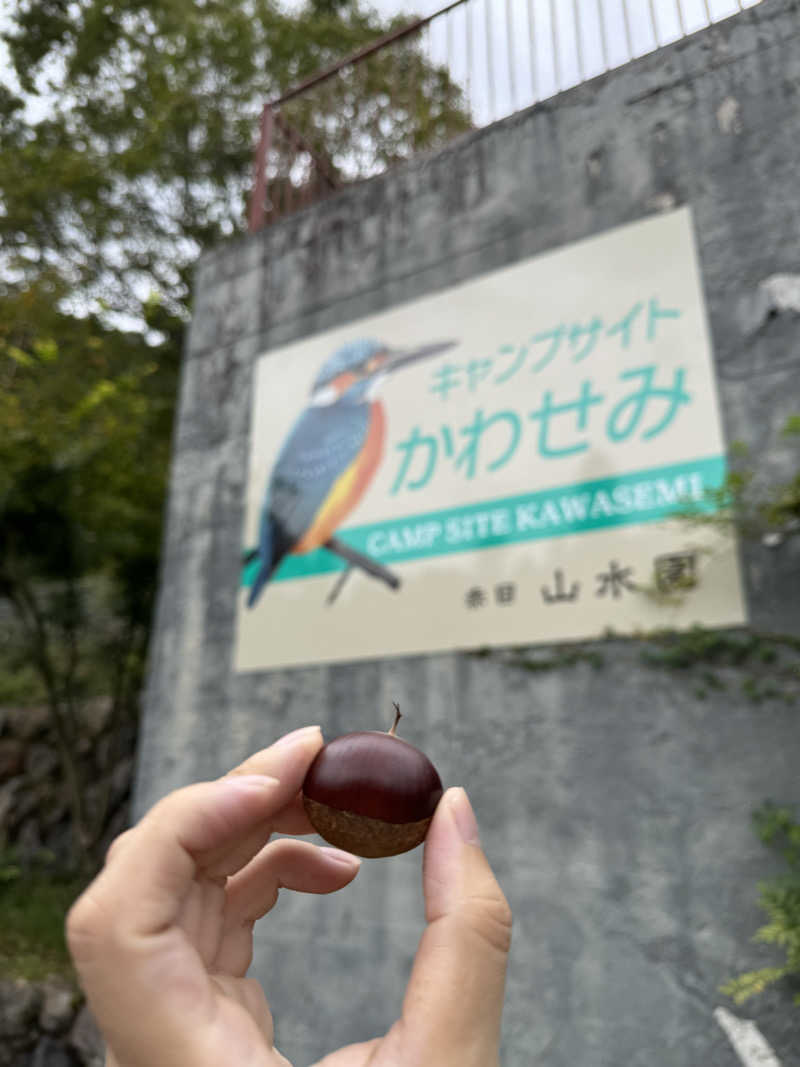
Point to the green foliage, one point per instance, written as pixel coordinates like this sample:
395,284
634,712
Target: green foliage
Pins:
19,680
538,660
698,645
780,899
125,149
85,421
144,155
782,510
33,907
745,504
85,424
772,661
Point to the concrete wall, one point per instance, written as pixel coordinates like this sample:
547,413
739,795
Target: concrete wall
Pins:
614,800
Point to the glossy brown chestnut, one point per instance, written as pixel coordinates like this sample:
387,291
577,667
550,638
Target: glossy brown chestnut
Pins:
372,793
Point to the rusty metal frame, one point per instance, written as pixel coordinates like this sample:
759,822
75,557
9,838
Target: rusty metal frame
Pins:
476,42
296,137
363,53
271,117
258,197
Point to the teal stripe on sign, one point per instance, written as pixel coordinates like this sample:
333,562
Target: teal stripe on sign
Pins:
625,500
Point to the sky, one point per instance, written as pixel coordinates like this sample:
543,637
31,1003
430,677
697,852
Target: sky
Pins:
509,53
513,52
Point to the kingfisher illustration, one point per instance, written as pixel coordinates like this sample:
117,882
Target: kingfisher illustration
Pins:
328,460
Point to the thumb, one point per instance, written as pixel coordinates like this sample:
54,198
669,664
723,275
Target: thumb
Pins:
454,1001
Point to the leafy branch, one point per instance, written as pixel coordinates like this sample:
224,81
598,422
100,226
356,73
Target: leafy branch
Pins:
780,899
85,416
770,513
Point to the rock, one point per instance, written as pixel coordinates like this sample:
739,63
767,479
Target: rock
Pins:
52,1053
58,1006
116,745
103,749
19,804
19,1006
86,1040
8,802
117,824
95,798
96,715
53,805
12,758
59,843
121,778
14,1052
28,723
40,762
29,842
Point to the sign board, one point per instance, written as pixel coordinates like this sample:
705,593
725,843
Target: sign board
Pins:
499,463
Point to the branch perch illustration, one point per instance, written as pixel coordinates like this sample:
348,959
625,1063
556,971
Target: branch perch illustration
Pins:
356,559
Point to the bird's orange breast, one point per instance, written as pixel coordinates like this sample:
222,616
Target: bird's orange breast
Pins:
349,487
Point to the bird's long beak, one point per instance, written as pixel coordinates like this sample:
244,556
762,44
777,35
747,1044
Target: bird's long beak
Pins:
403,359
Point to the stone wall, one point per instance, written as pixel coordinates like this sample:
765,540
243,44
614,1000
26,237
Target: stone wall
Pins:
44,1024
614,799
35,817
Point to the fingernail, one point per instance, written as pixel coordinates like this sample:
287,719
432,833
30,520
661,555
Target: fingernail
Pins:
465,817
339,856
250,783
297,737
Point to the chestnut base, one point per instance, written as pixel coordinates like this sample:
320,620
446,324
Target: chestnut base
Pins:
361,835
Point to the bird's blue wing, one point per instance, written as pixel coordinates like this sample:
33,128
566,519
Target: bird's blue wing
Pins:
320,447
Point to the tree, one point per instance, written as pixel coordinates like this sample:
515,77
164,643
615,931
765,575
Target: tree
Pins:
145,154
85,414
140,158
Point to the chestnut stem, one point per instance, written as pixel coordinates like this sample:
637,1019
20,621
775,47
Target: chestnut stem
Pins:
397,718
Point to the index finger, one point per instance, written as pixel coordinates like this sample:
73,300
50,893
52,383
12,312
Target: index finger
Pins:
213,827
292,819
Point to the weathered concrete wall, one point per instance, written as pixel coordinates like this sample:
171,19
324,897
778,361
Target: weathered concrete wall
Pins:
614,801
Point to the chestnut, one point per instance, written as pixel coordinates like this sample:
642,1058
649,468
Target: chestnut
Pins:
372,793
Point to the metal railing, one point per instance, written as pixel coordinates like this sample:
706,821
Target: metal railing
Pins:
462,67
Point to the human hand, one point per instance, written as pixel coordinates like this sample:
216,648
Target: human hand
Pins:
162,939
